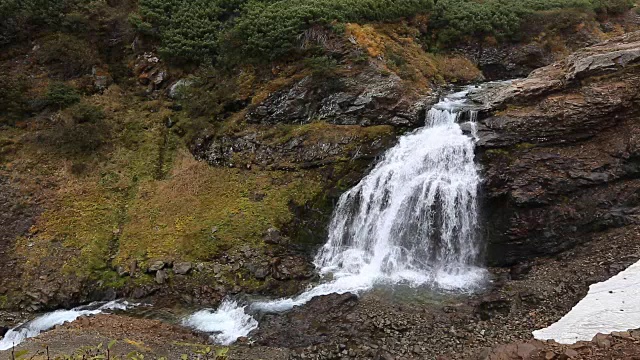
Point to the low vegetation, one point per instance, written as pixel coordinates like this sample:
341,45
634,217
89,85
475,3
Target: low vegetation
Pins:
199,30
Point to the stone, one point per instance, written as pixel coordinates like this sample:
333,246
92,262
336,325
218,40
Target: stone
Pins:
133,267
272,236
161,277
177,87
3,330
524,350
261,273
366,99
602,341
156,265
122,271
182,268
571,354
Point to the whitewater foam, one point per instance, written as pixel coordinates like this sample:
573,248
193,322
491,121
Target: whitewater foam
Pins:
47,321
228,323
412,220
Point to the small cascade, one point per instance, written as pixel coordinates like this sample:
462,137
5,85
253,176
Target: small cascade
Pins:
47,321
412,220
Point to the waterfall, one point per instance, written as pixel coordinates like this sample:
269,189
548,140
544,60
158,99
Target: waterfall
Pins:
411,220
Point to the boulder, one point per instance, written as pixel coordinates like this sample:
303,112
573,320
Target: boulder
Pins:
156,265
272,236
161,277
182,268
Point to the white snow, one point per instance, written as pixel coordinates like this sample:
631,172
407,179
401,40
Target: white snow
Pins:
612,305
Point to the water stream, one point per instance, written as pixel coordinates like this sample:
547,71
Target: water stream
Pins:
412,220
47,321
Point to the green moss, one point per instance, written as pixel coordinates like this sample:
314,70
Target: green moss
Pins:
200,210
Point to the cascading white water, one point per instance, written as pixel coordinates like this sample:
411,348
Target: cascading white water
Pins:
412,220
47,321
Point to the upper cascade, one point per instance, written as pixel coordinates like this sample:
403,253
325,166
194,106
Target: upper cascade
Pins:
414,217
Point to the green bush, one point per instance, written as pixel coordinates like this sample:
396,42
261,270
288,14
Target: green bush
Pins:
87,113
250,30
61,95
67,56
458,20
321,66
13,99
21,17
613,7
210,94
188,29
83,134
195,30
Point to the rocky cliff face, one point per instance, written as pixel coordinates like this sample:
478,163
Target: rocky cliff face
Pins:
560,152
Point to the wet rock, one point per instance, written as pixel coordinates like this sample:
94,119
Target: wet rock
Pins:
492,305
3,330
300,328
182,268
261,273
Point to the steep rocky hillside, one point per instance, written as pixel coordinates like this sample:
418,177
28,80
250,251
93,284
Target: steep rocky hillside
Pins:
560,153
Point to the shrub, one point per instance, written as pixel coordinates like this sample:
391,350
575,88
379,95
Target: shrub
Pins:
188,29
211,94
87,113
61,95
13,100
455,20
78,139
268,30
195,30
67,56
84,133
321,66
613,7
20,17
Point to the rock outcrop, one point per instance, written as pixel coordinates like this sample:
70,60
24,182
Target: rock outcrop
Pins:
369,98
561,152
